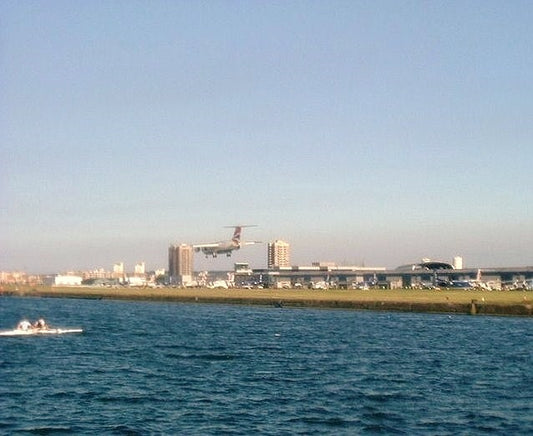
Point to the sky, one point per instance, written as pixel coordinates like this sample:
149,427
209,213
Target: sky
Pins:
368,133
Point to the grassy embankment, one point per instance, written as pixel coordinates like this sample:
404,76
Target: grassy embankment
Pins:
408,300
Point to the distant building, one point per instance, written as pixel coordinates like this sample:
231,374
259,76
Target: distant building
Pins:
137,281
242,268
180,263
160,272
118,270
458,262
324,264
279,254
97,273
13,277
426,265
140,269
67,280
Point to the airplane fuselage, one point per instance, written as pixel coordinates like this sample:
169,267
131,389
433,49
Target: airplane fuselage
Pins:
225,247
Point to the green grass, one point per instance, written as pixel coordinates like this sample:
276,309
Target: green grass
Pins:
412,296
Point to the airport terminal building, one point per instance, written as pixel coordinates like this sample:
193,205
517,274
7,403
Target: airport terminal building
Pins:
426,274
279,273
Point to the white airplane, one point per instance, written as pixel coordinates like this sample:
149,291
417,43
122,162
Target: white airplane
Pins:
225,247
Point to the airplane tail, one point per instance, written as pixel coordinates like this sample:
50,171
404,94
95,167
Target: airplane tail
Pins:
237,234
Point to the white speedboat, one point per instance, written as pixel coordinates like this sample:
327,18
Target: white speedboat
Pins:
39,331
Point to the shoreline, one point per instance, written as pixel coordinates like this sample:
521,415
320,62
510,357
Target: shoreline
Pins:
473,302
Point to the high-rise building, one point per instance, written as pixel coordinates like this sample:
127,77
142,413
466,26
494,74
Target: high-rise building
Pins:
180,263
279,254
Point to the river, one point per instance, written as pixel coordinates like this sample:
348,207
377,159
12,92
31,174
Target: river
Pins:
208,369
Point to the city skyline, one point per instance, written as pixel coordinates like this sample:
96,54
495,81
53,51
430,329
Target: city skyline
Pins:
370,133
181,260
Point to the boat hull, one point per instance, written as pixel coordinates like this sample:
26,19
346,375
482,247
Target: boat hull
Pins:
37,332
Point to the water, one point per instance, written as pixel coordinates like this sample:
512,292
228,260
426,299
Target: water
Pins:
169,368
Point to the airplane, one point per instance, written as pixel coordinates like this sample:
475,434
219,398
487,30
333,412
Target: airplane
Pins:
225,247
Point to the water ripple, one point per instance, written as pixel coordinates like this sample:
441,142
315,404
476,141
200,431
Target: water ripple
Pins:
155,368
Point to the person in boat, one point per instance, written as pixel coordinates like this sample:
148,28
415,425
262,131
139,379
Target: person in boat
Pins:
40,324
24,325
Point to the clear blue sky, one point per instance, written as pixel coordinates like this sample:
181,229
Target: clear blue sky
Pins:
375,132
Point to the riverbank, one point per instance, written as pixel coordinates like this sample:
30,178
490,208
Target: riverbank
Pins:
516,303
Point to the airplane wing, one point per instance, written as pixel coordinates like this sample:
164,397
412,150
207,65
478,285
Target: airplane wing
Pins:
205,245
251,242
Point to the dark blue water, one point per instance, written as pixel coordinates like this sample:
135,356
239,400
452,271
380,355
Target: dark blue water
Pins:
167,368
